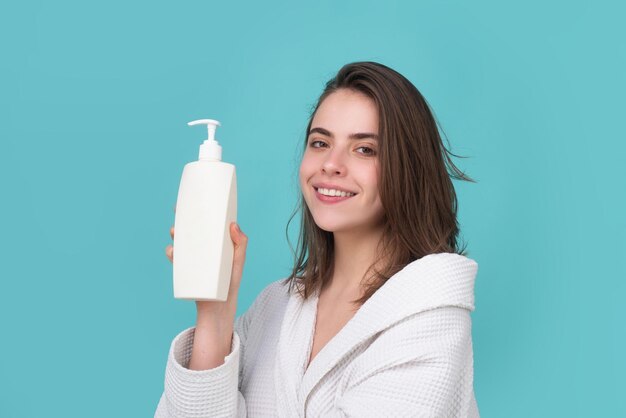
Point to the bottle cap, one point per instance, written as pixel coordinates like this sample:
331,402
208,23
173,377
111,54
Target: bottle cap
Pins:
210,150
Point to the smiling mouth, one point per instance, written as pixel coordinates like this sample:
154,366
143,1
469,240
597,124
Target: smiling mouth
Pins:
333,192
330,200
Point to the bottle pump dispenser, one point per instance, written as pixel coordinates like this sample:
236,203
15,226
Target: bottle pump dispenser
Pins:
205,207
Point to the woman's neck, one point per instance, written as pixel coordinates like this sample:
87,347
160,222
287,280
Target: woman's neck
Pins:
354,251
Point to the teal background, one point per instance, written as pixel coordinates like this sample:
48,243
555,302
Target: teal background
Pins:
94,100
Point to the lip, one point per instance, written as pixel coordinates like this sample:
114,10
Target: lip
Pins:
330,199
331,186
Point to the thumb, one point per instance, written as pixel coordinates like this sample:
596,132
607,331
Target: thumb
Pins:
236,234
241,242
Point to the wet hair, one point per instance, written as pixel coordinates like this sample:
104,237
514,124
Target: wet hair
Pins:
415,185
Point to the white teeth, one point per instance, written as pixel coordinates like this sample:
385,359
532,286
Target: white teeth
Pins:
334,192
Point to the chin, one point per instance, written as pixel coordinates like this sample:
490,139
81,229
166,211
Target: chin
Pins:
334,225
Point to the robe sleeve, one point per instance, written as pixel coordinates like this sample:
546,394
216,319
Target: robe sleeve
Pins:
204,393
421,367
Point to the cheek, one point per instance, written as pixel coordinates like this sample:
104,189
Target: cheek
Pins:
368,176
376,178
306,168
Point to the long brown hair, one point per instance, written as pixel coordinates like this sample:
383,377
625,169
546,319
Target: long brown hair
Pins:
415,185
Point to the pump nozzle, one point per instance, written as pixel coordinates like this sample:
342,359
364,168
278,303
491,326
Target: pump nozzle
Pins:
211,125
210,149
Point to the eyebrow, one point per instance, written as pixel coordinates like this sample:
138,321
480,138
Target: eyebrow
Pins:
360,135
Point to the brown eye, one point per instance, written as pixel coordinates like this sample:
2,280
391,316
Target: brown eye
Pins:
314,144
367,151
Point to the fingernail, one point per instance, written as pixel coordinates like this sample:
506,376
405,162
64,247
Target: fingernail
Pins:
237,227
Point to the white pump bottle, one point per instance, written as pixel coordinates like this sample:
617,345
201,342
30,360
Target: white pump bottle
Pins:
205,207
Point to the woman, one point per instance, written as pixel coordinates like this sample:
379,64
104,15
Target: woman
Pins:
375,318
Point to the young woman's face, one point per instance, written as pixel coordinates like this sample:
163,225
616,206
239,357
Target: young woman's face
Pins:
339,170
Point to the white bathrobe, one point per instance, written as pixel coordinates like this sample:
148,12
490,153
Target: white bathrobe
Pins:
407,352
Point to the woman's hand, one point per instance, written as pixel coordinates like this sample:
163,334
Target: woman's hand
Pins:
240,241
215,319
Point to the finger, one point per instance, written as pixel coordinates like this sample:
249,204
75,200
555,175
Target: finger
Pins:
169,252
172,232
241,243
236,234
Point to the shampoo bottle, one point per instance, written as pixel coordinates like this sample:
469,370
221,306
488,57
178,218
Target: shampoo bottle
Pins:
205,207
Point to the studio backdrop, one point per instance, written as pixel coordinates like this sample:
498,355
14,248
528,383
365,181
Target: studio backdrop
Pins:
94,103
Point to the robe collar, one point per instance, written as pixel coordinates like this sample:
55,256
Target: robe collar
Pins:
435,280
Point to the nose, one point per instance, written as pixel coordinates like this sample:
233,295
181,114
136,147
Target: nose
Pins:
334,163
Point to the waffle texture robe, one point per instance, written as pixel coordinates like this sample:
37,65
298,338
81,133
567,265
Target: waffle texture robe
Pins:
407,352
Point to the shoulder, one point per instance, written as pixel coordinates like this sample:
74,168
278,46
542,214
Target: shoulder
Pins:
273,297
265,311
444,263
273,292
432,282
435,280
436,320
